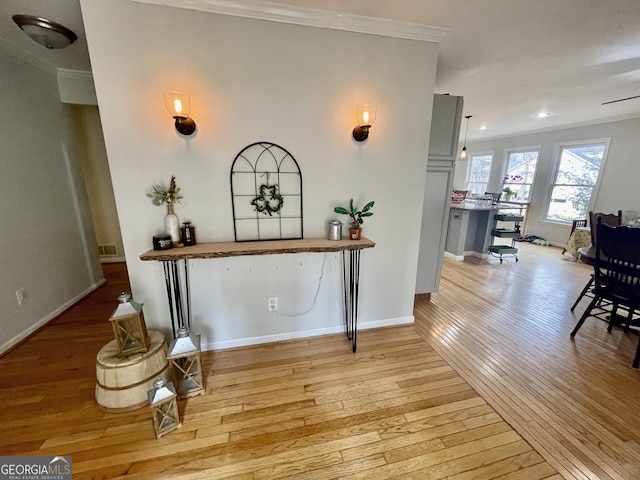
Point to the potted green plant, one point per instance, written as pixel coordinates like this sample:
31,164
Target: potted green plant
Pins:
509,194
355,230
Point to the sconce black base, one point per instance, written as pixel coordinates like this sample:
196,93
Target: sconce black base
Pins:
185,125
360,134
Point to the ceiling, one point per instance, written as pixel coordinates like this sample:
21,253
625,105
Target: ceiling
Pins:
509,59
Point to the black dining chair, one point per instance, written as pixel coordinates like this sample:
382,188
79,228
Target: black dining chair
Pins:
496,196
616,273
588,254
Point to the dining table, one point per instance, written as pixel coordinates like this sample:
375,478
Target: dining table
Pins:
580,237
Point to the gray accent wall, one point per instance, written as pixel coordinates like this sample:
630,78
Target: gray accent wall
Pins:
47,243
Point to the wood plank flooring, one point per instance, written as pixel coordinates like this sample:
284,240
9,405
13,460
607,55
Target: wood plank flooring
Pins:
505,328
486,385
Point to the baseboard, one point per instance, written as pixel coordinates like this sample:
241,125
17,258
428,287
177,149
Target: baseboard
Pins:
457,258
466,253
280,337
43,321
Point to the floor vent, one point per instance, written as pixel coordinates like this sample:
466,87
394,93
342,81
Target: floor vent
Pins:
107,250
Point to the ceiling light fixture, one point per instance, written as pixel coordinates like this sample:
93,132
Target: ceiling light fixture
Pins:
483,127
44,32
541,114
463,154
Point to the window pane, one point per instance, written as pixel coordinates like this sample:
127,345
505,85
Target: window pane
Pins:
479,169
580,165
574,182
521,169
568,203
523,164
477,188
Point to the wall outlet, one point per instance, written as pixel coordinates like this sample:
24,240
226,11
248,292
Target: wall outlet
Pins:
272,304
20,295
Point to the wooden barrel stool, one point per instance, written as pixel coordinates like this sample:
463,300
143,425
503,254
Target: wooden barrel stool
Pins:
123,382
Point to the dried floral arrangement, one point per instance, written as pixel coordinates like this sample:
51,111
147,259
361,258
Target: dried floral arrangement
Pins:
161,195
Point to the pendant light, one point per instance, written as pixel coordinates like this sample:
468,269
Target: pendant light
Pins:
463,154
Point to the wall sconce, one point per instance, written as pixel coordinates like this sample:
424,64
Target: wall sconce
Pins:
365,117
179,106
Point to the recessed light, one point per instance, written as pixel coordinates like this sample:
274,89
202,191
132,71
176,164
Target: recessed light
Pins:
483,127
541,114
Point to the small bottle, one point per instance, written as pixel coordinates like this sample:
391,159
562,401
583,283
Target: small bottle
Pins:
188,234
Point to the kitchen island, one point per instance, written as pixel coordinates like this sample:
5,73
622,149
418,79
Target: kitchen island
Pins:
469,230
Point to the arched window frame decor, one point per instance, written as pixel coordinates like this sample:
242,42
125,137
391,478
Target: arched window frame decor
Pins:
266,194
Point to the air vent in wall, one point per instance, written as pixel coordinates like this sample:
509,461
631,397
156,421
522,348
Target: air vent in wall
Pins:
107,250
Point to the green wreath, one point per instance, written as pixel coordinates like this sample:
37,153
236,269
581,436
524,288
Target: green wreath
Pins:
269,201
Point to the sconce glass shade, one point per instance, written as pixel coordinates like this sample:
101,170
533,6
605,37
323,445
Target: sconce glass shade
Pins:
179,107
365,117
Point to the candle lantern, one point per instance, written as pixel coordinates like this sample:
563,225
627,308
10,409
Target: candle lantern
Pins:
129,327
184,358
164,407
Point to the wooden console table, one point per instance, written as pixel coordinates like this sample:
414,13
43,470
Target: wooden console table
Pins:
178,291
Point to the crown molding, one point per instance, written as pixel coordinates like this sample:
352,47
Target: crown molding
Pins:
276,12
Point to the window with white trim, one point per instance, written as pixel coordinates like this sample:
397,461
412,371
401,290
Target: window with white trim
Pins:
577,167
520,172
478,173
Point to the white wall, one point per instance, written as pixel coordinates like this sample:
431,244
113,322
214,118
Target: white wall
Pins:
47,244
253,80
618,189
95,167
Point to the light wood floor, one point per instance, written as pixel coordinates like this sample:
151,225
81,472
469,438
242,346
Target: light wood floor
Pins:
487,384
505,328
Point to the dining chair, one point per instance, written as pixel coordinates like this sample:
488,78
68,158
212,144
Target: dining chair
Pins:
616,272
464,193
588,254
496,196
582,223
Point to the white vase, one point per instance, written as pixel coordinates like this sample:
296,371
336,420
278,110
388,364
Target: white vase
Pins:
508,198
172,225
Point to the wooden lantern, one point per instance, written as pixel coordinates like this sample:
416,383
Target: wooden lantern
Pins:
184,359
129,327
164,407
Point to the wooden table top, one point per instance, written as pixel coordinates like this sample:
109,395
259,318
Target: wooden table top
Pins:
269,247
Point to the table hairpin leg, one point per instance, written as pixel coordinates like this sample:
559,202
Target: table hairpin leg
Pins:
351,285
175,296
